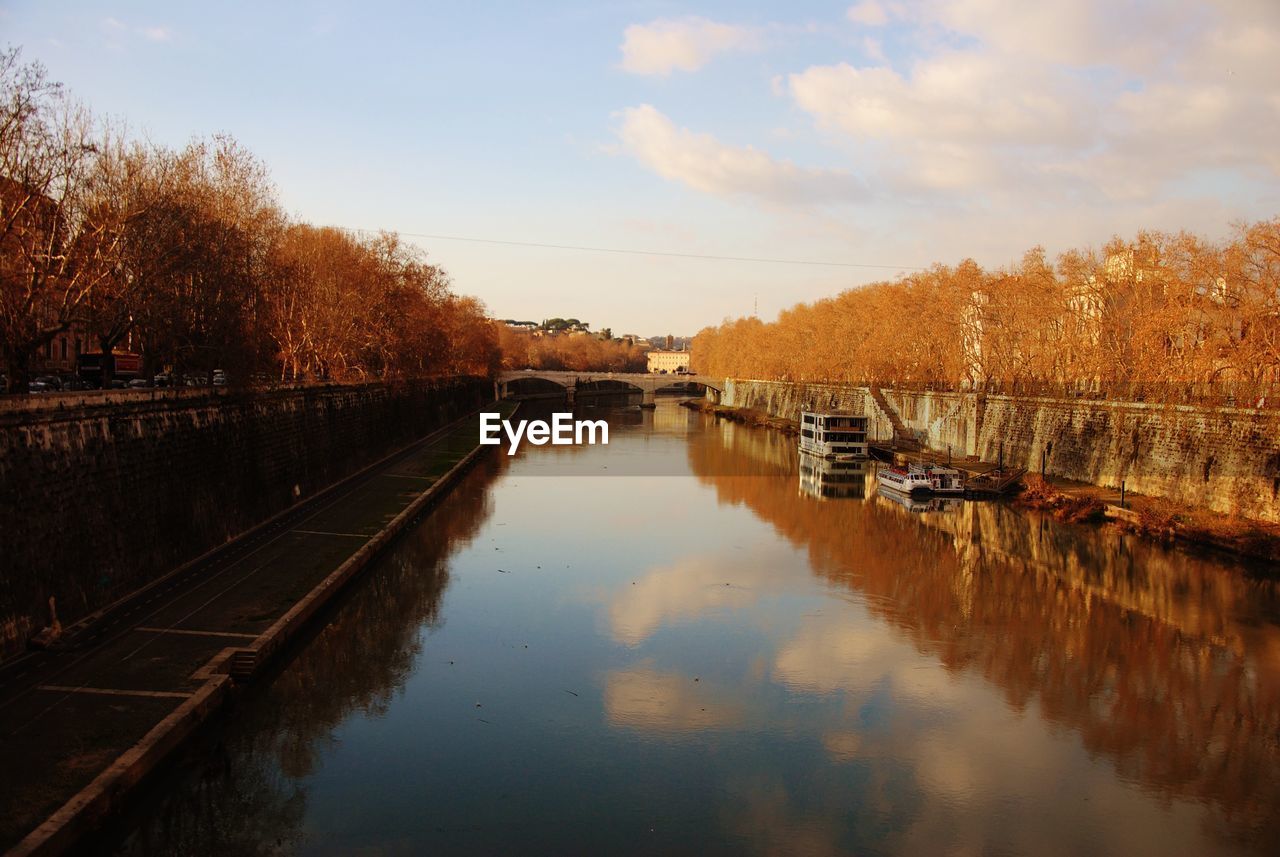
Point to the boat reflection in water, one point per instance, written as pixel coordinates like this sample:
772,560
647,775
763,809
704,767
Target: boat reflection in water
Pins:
833,478
919,502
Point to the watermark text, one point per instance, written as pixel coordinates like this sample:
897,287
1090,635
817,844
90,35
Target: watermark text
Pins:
563,430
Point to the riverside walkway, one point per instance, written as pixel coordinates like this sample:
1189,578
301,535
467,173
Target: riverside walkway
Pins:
80,724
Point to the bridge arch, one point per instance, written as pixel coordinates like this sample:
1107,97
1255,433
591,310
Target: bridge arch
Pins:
531,387
644,382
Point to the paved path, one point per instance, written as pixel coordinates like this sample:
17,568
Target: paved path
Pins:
67,714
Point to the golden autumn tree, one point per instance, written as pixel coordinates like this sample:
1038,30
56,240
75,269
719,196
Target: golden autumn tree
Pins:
1160,316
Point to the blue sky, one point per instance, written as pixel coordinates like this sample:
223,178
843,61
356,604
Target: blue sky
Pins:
879,132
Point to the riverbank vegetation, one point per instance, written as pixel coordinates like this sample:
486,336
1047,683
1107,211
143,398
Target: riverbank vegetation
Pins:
1161,317
188,256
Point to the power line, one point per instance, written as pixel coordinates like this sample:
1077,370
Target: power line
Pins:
667,253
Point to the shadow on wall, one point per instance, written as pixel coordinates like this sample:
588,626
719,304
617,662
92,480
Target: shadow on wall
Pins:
101,499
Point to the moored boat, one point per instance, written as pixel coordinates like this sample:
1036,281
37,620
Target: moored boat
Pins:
832,435
921,479
944,480
904,480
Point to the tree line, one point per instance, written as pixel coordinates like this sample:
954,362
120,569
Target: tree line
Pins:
581,353
188,252
1163,316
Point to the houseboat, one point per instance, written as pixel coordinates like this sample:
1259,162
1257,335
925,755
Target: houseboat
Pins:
921,479
833,435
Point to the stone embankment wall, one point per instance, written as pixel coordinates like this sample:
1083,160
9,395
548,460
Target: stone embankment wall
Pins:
1223,459
102,494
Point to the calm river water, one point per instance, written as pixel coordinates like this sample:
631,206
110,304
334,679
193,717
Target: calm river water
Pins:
671,646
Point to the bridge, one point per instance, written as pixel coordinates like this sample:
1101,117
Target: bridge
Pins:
575,384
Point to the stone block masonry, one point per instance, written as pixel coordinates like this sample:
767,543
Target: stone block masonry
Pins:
100,495
1226,460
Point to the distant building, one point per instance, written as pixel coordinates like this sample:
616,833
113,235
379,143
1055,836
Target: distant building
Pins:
668,361
58,355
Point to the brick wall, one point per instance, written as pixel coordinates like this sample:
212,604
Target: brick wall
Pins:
1223,459
101,494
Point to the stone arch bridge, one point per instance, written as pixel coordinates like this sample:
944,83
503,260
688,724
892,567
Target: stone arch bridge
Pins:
576,384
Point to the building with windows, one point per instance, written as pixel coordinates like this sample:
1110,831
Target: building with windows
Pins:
668,361
58,356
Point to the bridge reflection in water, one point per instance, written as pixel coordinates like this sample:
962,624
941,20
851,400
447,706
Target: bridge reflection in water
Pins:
727,664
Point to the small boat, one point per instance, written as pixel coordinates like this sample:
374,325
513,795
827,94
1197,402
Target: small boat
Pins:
945,480
905,480
921,479
833,435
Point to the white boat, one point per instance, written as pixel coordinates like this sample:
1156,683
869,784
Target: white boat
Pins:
921,479
833,435
944,480
904,480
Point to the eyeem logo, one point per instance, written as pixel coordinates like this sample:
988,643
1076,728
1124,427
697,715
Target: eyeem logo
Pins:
563,430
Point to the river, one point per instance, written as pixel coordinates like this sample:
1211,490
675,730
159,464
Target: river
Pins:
670,645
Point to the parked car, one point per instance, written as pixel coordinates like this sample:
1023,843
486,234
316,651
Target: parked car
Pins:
45,384
139,383
219,378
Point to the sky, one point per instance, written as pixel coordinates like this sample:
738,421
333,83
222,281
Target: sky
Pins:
878,137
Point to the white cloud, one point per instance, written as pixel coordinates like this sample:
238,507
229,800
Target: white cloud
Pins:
704,163
1083,97
868,12
950,125
983,127
157,34
687,44
873,49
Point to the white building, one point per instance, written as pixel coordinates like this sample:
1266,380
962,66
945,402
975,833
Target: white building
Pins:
668,361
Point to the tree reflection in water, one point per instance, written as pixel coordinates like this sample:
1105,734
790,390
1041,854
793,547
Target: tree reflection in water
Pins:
1165,663
769,673
243,796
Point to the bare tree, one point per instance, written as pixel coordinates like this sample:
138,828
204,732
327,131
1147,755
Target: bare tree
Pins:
55,248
